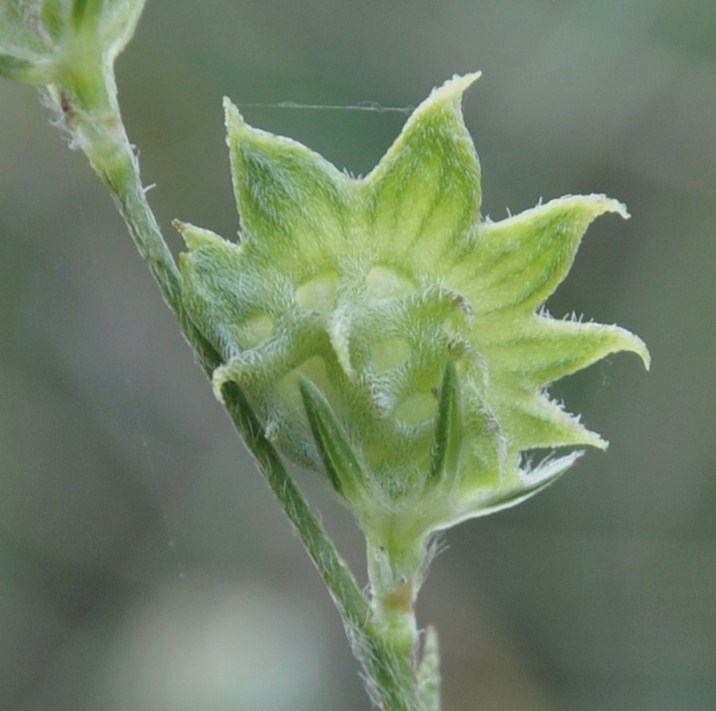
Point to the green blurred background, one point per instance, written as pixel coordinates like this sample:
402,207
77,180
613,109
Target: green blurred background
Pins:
143,562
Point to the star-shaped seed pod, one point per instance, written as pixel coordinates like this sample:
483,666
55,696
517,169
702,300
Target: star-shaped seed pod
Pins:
387,334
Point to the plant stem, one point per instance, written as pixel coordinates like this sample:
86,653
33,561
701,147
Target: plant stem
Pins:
429,671
390,679
395,577
97,129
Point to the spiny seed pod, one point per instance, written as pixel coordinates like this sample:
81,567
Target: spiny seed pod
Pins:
385,333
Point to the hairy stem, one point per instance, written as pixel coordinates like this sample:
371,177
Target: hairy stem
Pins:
98,130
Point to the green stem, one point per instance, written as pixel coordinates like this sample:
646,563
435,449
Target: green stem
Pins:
429,671
98,130
390,678
395,576
396,565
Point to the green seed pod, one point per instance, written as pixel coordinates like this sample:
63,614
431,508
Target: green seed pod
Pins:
386,333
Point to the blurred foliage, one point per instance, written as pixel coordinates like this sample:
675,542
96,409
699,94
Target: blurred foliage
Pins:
142,562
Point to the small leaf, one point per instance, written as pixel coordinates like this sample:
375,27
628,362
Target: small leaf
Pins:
16,68
339,459
448,428
532,483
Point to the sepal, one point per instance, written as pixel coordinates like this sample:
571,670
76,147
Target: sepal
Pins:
448,430
531,483
291,200
339,460
517,263
425,192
